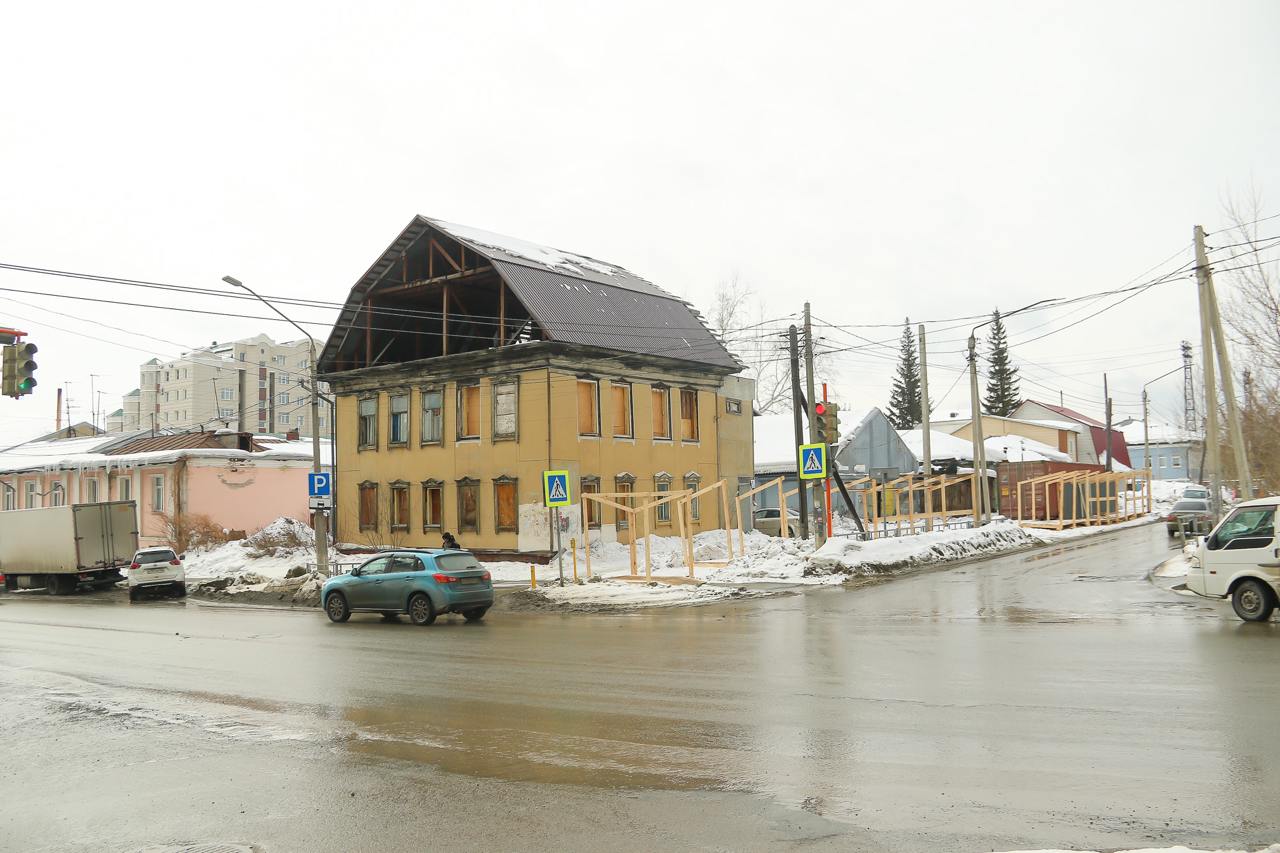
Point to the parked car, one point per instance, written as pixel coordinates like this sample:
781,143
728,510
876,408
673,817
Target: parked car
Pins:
422,583
1241,559
1196,493
769,521
1191,516
156,570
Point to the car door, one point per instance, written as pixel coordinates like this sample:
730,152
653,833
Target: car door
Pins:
1243,542
364,589
397,581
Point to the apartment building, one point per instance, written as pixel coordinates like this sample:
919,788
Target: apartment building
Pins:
252,385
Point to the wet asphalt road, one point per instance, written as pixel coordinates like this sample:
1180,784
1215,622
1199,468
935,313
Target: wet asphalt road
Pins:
1049,699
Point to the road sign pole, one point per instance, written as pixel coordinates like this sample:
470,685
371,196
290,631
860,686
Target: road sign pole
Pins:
559,546
830,460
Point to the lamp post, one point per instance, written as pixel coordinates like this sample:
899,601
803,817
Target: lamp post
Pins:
322,519
982,503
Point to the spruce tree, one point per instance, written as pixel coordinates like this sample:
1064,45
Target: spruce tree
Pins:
1002,379
904,402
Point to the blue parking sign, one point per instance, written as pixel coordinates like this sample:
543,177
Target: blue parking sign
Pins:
319,485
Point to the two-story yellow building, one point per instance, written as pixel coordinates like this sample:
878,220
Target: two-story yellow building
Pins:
464,364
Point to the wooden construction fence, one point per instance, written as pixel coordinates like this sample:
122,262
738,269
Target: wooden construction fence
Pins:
1082,498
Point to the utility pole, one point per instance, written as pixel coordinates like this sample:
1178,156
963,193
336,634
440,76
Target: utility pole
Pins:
1146,435
927,461
979,445
819,513
1214,473
793,335
1190,422
1224,368
1106,401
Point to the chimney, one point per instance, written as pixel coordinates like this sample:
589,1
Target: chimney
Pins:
229,438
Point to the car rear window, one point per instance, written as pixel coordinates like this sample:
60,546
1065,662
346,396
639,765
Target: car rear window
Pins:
457,562
1190,506
162,555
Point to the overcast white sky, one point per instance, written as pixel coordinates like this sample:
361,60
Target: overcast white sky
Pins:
877,161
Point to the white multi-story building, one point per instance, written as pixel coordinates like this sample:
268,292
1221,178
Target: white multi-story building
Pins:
251,385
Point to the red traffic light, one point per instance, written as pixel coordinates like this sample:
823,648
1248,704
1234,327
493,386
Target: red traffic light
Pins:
820,408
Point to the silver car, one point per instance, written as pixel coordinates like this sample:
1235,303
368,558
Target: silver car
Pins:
769,521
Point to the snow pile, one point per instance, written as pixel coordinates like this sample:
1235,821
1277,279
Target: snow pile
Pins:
610,595
1179,565
272,552
790,561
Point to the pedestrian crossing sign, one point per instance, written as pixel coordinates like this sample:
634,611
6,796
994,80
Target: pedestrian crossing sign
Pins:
555,488
813,462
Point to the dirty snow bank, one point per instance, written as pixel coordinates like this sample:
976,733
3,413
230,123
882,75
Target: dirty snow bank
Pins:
283,545
1274,848
1179,565
605,596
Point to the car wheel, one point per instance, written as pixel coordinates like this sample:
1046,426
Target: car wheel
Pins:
335,606
133,593
421,612
1253,601
475,614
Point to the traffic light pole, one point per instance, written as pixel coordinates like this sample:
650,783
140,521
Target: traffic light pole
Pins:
831,463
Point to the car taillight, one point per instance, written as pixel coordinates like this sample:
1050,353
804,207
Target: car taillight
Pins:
486,577
445,579
1170,517
175,562
135,565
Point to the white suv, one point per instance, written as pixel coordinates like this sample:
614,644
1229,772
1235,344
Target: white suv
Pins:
156,569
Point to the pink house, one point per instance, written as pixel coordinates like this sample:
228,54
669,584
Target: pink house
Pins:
240,481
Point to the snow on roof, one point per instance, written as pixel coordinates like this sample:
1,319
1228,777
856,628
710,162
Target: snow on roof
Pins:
1117,465
941,445
36,455
79,453
1160,433
1019,448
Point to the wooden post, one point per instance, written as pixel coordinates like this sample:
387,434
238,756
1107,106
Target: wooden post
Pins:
689,539
646,547
502,312
631,546
724,508
783,527
586,536
444,314
737,522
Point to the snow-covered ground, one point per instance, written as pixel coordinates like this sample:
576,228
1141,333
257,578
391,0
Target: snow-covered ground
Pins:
284,544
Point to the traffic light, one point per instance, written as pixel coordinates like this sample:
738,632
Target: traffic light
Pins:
19,370
828,422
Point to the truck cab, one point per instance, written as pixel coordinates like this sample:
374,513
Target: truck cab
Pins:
1240,559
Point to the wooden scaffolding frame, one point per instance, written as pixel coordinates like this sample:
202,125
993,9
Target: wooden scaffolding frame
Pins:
876,498
1093,497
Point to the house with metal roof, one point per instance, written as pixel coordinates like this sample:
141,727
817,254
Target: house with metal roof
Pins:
1095,447
465,363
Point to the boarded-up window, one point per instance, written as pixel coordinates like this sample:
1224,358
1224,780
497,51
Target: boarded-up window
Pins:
432,416
505,413
399,427
661,402
400,506
469,506
591,487
620,398
588,407
468,411
504,505
369,422
688,415
432,505
368,506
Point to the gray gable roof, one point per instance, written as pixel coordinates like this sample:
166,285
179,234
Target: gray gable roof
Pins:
573,298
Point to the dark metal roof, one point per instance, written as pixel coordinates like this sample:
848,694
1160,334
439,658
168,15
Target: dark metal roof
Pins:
574,298
180,441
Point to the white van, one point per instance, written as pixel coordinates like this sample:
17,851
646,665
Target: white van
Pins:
1241,559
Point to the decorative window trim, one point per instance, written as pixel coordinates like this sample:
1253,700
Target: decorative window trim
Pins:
360,444
625,477
732,406
393,487
422,395
464,483
595,433
692,480
621,519
459,387
662,477
506,480
426,504
631,409
493,409
363,486
392,396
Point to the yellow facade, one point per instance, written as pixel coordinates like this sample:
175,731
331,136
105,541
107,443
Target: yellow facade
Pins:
552,409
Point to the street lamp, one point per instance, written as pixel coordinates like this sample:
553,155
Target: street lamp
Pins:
981,498
322,520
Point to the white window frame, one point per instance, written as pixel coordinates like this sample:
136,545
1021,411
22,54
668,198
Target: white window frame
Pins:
157,493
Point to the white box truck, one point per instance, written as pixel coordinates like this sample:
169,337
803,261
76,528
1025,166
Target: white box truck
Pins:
61,547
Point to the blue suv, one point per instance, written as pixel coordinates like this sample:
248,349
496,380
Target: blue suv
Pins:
421,583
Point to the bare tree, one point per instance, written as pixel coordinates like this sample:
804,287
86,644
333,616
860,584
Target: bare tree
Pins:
738,316
1252,312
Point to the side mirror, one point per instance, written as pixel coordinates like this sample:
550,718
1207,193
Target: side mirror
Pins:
355,572
182,556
